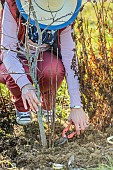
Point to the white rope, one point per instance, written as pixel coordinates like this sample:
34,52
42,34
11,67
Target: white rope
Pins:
109,139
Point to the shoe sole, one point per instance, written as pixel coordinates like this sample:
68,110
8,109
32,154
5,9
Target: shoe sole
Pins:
24,122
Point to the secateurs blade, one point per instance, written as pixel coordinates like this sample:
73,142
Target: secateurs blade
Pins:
65,137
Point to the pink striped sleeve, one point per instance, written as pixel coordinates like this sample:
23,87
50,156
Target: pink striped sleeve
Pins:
9,40
67,46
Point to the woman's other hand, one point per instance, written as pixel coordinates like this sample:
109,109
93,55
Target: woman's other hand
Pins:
29,95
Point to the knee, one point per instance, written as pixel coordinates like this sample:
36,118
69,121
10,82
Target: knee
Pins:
55,70
13,87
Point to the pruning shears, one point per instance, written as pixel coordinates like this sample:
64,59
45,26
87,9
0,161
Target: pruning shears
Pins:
65,137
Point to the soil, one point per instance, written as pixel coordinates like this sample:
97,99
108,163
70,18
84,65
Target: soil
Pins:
20,147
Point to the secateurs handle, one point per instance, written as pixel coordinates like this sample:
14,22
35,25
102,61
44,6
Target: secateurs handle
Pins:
66,130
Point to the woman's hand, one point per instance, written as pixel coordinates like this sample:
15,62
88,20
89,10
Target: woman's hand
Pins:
79,118
29,95
33,46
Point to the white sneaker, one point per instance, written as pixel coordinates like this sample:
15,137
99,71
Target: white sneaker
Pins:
48,115
23,118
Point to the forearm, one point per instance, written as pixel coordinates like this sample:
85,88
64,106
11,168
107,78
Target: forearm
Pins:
67,46
9,41
15,68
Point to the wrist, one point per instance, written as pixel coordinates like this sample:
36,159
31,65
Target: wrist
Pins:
28,84
76,107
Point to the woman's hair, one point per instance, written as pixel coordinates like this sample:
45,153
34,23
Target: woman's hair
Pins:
17,12
2,2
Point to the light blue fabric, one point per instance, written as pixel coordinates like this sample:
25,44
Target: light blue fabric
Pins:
48,36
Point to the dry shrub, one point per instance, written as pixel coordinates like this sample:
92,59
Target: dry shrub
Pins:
94,42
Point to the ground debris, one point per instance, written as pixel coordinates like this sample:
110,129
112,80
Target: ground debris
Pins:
20,148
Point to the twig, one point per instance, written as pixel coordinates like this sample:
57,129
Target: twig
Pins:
34,77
